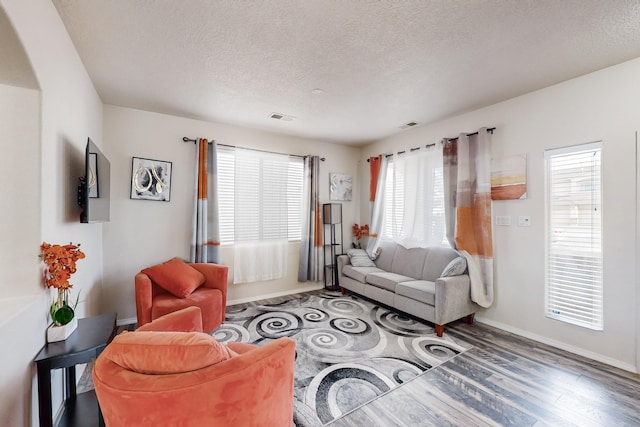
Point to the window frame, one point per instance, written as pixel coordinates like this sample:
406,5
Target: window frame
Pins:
571,251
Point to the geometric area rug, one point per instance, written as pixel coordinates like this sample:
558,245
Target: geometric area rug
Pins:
348,350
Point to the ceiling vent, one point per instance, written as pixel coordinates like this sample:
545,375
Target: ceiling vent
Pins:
408,125
283,117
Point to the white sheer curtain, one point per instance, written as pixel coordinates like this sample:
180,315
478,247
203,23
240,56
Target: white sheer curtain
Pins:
261,221
415,197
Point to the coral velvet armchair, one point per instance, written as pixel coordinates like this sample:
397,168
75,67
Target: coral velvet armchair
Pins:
174,285
152,378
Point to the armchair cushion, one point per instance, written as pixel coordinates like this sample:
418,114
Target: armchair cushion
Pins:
176,277
161,353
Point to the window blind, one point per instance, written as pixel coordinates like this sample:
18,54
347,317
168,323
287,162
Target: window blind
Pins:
574,287
393,203
260,197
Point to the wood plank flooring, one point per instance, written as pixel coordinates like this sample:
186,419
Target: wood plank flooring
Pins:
507,380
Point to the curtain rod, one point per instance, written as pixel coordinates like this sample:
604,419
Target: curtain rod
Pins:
185,139
490,130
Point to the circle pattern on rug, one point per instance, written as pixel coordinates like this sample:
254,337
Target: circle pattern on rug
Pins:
348,350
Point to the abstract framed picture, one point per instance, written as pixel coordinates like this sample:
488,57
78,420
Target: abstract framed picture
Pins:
150,179
509,178
340,186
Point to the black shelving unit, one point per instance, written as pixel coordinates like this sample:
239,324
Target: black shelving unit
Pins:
332,238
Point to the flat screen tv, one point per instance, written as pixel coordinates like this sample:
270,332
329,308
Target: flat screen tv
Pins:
94,187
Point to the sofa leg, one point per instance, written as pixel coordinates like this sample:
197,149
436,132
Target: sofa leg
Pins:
470,318
343,291
439,330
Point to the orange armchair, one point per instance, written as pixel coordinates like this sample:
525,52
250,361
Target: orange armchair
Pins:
175,285
148,378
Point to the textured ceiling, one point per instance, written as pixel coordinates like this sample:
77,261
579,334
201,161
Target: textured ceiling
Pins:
379,64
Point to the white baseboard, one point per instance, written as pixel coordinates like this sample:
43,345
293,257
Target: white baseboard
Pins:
560,345
130,320
276,294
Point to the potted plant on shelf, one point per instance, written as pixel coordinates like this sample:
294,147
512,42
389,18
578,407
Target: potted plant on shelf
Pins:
61,264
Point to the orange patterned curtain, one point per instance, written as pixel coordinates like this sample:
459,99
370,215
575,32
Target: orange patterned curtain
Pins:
467,186
378,172
310,264
205,244
374,169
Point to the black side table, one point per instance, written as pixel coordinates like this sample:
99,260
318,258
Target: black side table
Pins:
84,344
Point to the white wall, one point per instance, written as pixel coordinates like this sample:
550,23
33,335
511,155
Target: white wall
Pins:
20,145
599,106
68,111
142,233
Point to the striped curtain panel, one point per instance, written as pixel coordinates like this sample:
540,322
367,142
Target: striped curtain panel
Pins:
310,267
467,187
378,173
205,244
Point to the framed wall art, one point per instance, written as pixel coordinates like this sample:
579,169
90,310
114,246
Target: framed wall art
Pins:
509,178
150,179
340,186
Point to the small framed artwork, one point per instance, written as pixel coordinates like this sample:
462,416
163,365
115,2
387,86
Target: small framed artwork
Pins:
150,179
340,186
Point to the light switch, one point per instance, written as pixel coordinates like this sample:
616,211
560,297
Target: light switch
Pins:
524,221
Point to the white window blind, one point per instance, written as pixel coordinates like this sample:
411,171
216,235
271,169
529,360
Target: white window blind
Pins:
574,288
393,203
260,196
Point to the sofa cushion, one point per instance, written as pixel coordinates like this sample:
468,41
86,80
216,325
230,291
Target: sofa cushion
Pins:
359,273
176,277
419,290
456,267
409,262
359,258
160,353
437,259
387,280
385,257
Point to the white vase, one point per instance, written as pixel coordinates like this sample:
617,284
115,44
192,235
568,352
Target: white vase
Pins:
61,333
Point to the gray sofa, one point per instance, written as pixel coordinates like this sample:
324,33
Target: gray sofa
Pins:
410,281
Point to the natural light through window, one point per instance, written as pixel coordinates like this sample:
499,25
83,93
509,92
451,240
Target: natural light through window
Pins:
414,198
574,288
262,200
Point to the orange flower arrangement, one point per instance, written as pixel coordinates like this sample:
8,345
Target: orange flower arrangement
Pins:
359,232
61,262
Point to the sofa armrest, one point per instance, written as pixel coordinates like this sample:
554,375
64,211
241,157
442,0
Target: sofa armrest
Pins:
186,320
215,277
144,296
343,260
453,299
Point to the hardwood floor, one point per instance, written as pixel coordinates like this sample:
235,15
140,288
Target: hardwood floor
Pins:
504,380
507,380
